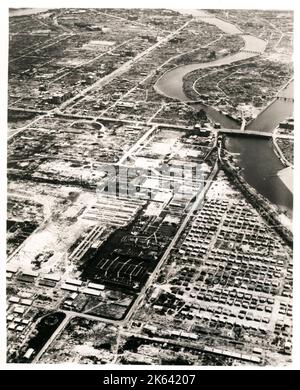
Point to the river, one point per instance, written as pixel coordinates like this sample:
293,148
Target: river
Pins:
257,159
260,168
171,83
276,112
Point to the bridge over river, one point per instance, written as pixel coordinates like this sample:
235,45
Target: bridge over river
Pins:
256,154
246,132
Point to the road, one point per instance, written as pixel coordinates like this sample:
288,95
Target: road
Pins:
170,84
246,132
136,145
122,69
91,118
54,335
60,38
61,327
282,157
193,345
132,310
101,82
17,131
130,21
199,197
86,243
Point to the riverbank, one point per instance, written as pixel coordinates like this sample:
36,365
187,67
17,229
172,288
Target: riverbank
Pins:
170,84
278,151
256,157
276,111
286,176
270,213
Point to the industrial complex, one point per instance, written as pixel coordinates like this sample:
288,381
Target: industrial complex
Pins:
149,210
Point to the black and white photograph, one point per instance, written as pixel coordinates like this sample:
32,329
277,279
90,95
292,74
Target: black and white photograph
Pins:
149,194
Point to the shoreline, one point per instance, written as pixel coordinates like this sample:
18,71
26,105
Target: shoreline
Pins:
13,12
286,176
273,215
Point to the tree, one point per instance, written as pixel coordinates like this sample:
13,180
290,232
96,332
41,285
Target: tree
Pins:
202,115
212,55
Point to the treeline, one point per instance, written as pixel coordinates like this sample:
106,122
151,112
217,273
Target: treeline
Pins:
270,214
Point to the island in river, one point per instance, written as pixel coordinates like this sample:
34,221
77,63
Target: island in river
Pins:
260,165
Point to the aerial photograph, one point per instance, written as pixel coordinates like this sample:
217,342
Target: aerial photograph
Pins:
150,158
